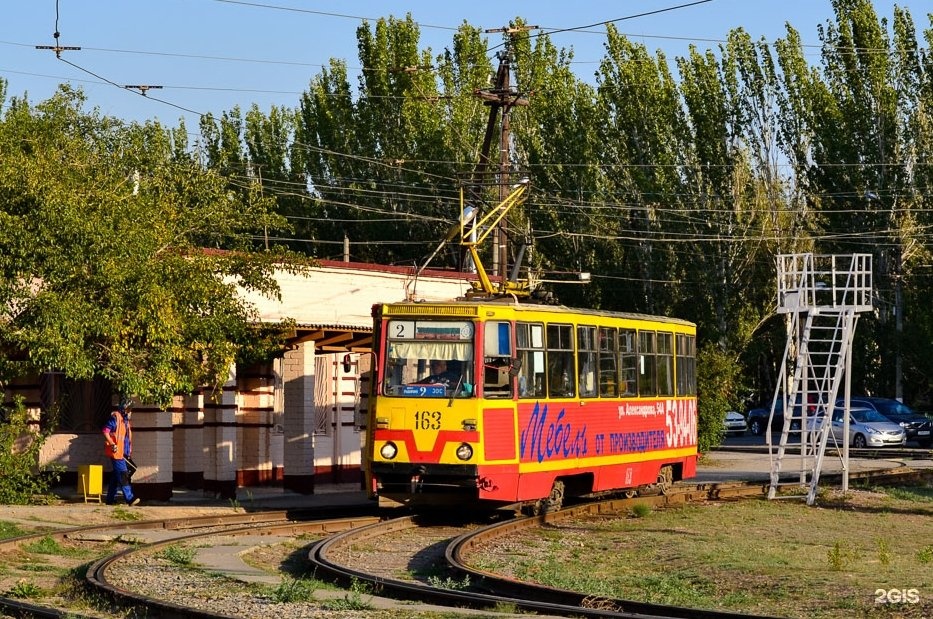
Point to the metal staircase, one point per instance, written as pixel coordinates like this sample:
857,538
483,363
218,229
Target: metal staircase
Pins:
822,296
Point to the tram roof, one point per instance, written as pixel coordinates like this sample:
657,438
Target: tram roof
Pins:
422,308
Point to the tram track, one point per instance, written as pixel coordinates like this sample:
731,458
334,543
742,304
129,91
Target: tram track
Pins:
483,590
418,552
89,539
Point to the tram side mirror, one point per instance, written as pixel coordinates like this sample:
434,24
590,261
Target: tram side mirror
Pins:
346,363
515,367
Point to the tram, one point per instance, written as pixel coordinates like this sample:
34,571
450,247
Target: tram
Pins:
496,399
537,402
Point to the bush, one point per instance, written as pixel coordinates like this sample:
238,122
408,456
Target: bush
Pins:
717,382
23,480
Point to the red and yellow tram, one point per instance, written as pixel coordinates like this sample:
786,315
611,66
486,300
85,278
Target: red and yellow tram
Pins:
536,402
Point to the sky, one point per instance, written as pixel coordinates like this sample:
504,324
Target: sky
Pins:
210,55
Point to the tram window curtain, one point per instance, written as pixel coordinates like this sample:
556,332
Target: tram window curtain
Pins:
457,351
530,347
586,360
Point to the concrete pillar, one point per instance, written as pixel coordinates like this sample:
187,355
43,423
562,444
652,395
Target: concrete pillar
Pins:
277,438
298,377
220,440
254,425
188,438
152,452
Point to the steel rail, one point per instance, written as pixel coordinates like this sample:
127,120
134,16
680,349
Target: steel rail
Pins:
499,591
19,608
96,575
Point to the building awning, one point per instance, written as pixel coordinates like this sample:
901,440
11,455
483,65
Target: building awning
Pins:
334,338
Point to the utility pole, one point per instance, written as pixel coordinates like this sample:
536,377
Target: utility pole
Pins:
501,97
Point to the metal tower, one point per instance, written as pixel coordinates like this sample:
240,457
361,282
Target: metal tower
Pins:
822,296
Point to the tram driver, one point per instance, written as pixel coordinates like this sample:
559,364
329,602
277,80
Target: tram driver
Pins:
443,372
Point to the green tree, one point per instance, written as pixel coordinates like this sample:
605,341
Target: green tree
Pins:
382,161
643,133
120,260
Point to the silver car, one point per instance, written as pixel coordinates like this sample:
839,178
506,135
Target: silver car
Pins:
735,423
867,428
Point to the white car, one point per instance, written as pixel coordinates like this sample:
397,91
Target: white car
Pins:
867,428
735,424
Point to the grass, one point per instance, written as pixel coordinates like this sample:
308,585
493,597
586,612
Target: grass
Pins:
10,529
48,545
125,514
779,558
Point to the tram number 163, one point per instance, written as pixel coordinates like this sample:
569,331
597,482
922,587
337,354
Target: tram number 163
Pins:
428,420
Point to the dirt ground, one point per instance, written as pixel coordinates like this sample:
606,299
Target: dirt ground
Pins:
64,514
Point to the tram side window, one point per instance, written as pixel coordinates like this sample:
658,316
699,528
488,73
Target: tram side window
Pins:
560,371
628,362
647,364
530,344
686,364
586,360
497,359
665,363
608,374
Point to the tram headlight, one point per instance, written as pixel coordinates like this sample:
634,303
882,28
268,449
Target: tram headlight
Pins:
389,450
464,451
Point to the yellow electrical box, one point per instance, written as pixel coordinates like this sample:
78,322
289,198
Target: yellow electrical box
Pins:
91,481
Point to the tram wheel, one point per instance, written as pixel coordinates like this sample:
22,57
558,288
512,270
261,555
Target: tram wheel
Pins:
630,494
665,479
553,502
556,499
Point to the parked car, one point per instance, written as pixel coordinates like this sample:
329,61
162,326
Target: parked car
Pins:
867,428
735,424
918,427
757,419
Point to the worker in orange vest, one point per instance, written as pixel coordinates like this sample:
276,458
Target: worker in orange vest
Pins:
118,434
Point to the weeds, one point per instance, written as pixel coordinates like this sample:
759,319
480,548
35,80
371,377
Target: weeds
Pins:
179,555
884,551
294,590
506,608
23,590
353,600
45,545
640,510
925,554
126,515
450,583
841,555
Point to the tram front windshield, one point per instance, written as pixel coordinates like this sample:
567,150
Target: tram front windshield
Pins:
429,358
